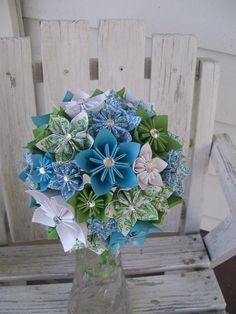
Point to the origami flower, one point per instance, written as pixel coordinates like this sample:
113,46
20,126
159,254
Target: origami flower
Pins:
88,204
130,206
74,104
67,137
149,168
42,170
118,121
101,229
154,130
174,174
54,212
136,236
67,179
109,163
28,166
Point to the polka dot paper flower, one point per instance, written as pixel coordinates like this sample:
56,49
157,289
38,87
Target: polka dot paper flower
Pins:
109,163
148,168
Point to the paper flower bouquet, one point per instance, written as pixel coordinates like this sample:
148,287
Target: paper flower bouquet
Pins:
102,171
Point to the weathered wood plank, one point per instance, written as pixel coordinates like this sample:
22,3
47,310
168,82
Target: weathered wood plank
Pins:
37,262
121,53
17,106
204,114
189,292
173,66
65,59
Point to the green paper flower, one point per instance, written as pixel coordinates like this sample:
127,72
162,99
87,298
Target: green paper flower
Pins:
154,130
130,206
67,137
87,204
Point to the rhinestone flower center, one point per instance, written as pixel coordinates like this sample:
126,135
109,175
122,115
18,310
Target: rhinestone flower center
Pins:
68,137
66,178
154,133
110,122
90,203
42,170
108,162
149,166
57,220
132,207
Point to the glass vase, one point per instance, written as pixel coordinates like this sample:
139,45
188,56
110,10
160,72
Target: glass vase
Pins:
99,286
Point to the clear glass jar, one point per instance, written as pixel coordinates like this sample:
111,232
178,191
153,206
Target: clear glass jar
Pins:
98,289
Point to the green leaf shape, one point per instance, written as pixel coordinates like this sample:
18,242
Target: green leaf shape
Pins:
58,112
39,134
174,200
142,113
97,92
81,200
52,233
121,92
160,122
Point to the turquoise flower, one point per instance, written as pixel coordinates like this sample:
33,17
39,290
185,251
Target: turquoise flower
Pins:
109,163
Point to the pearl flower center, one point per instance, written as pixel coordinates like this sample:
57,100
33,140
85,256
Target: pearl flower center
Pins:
66,178
149,166
132,207
42,170
110,122
154,133
108,162
68,137
90,203
57,220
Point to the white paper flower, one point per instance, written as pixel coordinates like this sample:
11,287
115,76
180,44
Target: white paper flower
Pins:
54,212
148,169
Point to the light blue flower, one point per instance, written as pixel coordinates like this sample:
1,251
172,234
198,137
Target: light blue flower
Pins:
67,179
42,170
109,163
136,236
175,172
101,229
27,165
116,120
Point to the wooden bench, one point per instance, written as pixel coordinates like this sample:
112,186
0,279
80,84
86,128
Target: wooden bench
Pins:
170,274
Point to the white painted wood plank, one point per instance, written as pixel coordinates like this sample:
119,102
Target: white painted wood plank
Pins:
34,299
121,53
65,59
221,241
17,106
37,262
189,292
203,123
172,79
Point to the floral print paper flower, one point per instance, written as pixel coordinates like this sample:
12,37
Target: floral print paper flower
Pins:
88,204
130,206
148,168
174,174
67,137
67,179
27,165
109,163
53,212
42,170
154,130
101,229
118,121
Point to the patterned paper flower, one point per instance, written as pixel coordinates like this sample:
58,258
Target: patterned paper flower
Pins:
149,168
118,121
102,229
136,236
42,170
53,212
130,206
74,104
67,179
27,165
88,204
174,174
154,130
68,137
109,163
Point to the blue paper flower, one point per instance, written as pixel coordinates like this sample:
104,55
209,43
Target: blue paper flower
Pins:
28,166
109,163
102,229
67,179
136,236
118,121
42,170
175,172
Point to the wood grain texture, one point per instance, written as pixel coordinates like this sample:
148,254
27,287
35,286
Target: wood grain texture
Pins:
187,292
121,54
48,261
203,125
17,106
65,59
171,90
